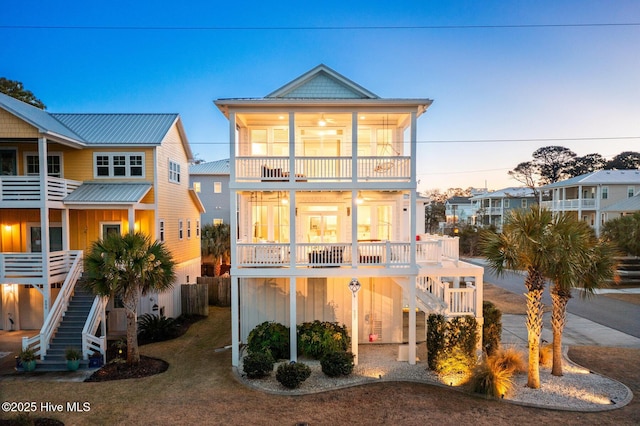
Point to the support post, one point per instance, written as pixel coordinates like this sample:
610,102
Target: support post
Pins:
235,322
293,320
412,320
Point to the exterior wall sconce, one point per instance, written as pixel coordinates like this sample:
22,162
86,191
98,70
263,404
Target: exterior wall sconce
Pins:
354,286
359,200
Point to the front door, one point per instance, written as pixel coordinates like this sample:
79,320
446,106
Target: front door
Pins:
8,165
320,227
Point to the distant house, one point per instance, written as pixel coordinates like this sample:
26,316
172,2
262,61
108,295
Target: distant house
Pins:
459,211
492,207
67,180
323,174
211,181
595,197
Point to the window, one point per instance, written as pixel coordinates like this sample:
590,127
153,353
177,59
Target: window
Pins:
108,164
161,226
174,172
54,164
630,191
180,230
217,221
605,192
196,186
188,229
217,187
523,204
197,229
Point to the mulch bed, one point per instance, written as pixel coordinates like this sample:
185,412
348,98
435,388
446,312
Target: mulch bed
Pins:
121,370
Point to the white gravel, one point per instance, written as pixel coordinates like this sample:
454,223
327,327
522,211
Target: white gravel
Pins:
577,390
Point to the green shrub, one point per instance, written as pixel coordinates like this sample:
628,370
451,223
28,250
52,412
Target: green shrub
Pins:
491,378
492,327
458,334
339,363
455,362
317,339
270,337
292,374
156,327
257,365
509,359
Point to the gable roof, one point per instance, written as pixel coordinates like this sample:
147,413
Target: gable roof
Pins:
631,204
38,118
322,82
220,167
108,193
600,177
101,129
510,192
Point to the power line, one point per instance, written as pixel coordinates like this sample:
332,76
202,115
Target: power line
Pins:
311,28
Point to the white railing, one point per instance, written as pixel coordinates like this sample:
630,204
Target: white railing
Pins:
435,249
583,203
323,255
27,188
40,342
262,254
90,342
322,169
21,265
458,301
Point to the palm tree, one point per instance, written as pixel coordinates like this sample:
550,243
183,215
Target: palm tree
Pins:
216,242
128,267
523,245
580,261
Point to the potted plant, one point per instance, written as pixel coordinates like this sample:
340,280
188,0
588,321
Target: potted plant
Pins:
73,357
27,359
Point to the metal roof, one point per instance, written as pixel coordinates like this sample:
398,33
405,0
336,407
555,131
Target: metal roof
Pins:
108,193
220,167
40,119
599,177
140,129
511,192
631,204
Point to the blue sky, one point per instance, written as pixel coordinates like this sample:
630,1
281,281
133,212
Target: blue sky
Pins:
514,84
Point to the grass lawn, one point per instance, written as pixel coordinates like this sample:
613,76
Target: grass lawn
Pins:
200,388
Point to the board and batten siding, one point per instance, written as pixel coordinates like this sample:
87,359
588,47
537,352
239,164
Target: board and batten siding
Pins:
323,299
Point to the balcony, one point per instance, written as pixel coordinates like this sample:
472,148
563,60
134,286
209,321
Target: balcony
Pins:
27,268
323,169
21,190
568,205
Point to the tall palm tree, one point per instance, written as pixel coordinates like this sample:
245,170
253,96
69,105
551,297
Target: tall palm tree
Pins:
580,261
523,245
128,267
216,242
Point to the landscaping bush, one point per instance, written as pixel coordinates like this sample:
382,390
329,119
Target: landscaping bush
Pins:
491,378
436,333
258,365
455,338
546,355
271,337
492,327
317,339
291,375
339,363
509,359
156,327
455,363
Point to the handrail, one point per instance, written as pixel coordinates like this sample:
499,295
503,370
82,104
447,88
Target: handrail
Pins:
40,342
90,342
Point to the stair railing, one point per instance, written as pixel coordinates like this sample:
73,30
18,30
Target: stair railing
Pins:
90,342
40,342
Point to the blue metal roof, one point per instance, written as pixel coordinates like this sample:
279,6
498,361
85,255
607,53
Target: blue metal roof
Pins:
610,177
220,167
108,193
142,129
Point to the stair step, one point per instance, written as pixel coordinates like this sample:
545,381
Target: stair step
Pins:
57,365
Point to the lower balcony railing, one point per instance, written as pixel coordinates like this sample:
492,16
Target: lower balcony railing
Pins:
27,188
25,268
584,203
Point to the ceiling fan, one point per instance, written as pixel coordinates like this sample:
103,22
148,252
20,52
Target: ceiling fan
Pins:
324,121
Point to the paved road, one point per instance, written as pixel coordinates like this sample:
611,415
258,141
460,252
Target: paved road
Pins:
612,313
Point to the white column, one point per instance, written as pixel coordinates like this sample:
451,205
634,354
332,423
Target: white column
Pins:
354,229
235,322
65,231
354,147
44,226
292,230
292,147
131,217
293,319
412,320
479,298
354,327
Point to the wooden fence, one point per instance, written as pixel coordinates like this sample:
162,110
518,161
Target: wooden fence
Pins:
194,299
219,290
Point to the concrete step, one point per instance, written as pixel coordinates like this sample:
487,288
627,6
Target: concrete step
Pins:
58,365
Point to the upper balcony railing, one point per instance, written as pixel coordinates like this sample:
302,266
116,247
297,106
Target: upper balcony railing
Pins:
575,204
322,169
27,188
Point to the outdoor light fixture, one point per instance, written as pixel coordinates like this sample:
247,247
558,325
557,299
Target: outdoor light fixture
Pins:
354,286
322,122
285,199
359,200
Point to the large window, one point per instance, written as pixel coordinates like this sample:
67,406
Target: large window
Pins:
108,165
54,164
174,172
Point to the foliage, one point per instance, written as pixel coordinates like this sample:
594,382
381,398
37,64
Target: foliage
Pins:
292,374
434,213
624,232
451,340
509,359
72,354
627,160
455,363
257,365
27,355
16,90
492,327
129,266
546,355
270,337
338,363
469,240
317,339
526,174
156,327
491,378
586,164
216,242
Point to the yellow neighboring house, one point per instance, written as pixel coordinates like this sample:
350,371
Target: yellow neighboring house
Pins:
105,173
